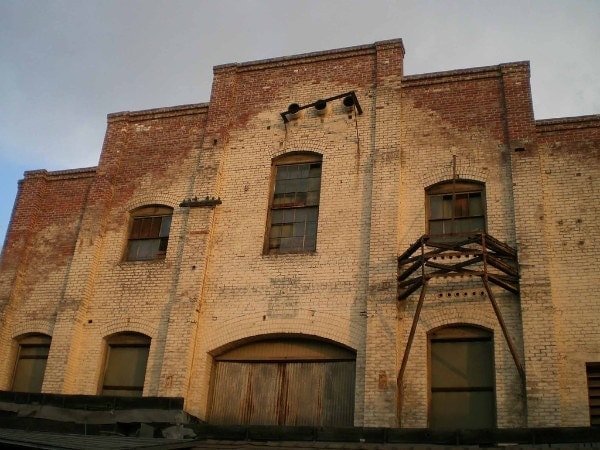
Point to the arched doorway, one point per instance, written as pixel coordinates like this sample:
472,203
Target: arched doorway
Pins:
293,382
462,393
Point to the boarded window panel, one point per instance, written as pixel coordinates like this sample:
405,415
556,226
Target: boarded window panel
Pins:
125,369
338,394
31,363
29,375
304,392
462,378
461,364
263,394
462,409
230,388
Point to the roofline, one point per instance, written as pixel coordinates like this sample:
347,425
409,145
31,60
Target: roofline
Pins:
301,58
158,113
568,123
466,74
82,172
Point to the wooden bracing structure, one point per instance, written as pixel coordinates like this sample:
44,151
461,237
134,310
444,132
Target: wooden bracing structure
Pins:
473,254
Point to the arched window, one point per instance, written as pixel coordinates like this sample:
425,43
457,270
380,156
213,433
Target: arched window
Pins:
149,233
31,363
462,393
455,207
294,204
125,368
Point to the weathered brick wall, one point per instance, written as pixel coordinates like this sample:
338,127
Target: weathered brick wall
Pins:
36,258
324,294
216,289
570,170
150,157
454,123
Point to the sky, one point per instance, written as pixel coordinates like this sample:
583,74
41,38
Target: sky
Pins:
66,64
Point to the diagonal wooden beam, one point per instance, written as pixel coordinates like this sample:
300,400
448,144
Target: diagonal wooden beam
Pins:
511,345
411,336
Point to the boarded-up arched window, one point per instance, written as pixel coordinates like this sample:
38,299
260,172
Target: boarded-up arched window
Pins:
31,361
126,360
291,382
462,391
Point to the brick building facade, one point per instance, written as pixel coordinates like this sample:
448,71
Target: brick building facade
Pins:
326,242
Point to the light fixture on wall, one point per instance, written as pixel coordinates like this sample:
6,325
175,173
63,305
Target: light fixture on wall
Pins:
349,102
321,107
295,110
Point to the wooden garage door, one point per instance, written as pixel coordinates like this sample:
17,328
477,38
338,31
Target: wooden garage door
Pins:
293,383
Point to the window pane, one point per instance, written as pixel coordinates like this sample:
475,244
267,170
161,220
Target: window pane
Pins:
284,186
447,206
301,185
143,249
299,228
155,227
301,198
136,229
165,226
475,204
315,171
300,214
436,227
311,229
435,207
461,205
277,216
275,230
162,248
283,172
146,227
314,184
303,170
310,244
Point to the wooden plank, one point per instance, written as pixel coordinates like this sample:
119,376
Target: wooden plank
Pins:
500,265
